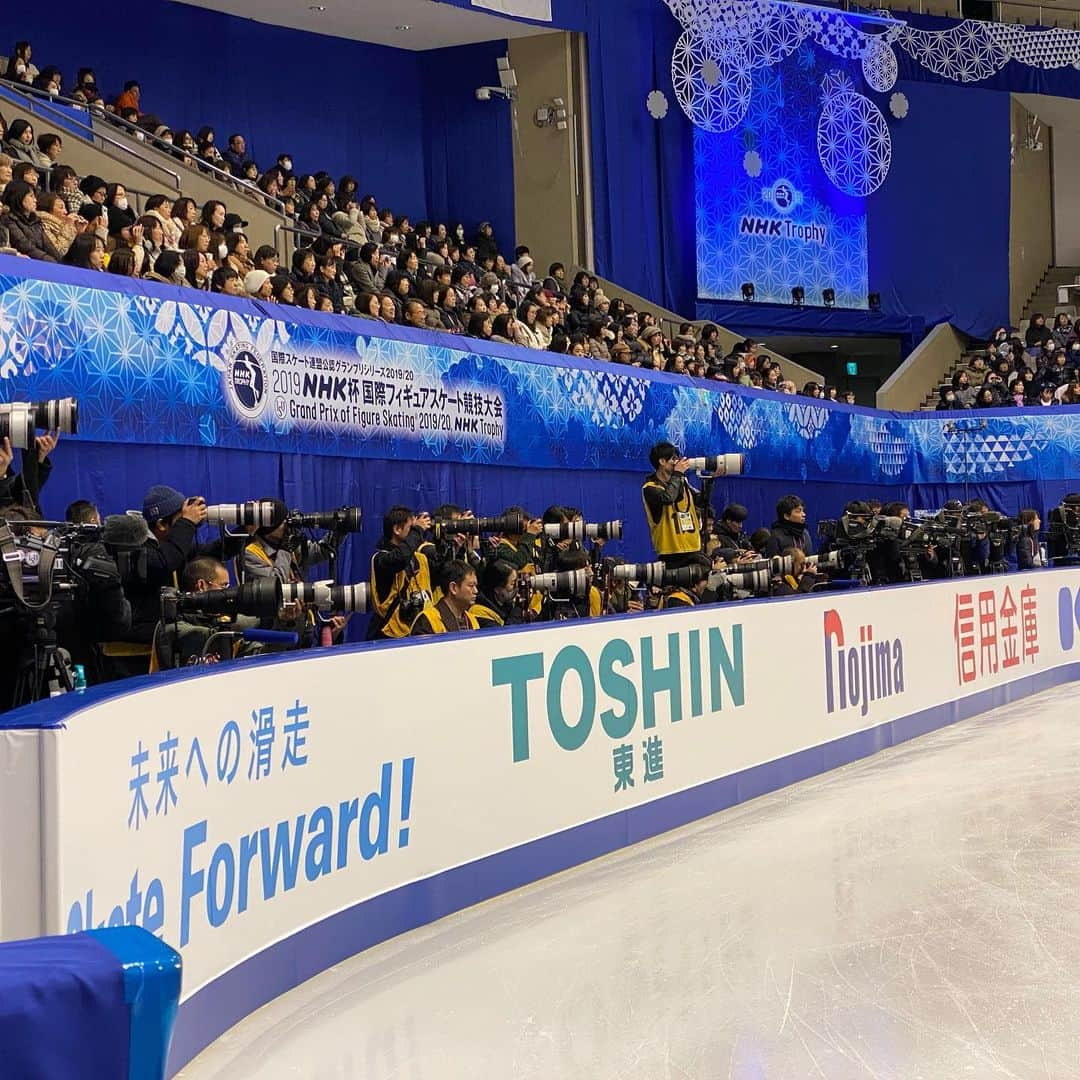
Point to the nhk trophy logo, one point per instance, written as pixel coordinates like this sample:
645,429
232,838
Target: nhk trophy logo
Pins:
245,379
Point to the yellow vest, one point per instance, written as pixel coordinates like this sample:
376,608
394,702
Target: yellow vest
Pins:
678,532
483,614
404,584
679,594
435,620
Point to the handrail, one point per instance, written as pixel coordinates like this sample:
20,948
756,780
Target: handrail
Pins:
312,236
236,183
32,95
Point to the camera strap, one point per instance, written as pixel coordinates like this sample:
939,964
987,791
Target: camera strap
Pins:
12,558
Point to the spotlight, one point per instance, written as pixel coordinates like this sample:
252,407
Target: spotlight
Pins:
798,295
748,291
874,301
828,297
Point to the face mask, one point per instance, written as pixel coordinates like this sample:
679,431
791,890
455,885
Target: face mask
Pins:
180,274
167,139
121,203
141,136
222,251
286,164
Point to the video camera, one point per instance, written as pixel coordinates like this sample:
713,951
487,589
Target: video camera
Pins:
1064,527
20,420
326,596
260,597
46,558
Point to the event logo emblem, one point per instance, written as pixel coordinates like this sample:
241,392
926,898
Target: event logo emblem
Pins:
245,379
783,196
863,671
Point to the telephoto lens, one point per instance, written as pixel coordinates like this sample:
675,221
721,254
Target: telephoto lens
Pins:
562,582
57,414
259,514
647,573
757,581
718,465
17,425
346,519
19,420
685,575
326,596
777,565
579,530
510,525
259,596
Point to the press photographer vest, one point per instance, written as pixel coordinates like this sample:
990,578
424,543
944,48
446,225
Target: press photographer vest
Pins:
678,531
486,616
406,583
435,620
679,598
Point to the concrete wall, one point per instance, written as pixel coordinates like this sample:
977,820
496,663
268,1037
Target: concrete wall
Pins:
548,202
1066,168
1031,228
923,371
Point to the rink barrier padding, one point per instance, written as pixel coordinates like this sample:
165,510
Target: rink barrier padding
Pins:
273,818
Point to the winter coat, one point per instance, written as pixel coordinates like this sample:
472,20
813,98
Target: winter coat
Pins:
785,534
28,236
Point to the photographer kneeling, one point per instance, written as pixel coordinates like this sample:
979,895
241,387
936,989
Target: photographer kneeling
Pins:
451,614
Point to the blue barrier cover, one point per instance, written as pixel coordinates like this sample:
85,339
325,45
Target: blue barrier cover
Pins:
153,364
96,1006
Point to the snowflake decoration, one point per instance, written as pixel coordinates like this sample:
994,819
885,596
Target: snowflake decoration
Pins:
879,68
752,163
715,108
657,104
899,105
852,139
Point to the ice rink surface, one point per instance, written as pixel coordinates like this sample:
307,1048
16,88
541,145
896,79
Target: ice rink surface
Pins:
915,915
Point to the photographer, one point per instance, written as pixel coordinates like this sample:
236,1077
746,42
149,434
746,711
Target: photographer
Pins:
672,506
276,550
174,521
590,606
685,596
23,489
1029,554
975,549
789,529
496,601
454,547
731,542
1064,521
520,550
802,578
401,583
180,643
549,548
452,614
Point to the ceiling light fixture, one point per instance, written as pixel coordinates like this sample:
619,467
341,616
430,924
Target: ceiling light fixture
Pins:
403,27
316,8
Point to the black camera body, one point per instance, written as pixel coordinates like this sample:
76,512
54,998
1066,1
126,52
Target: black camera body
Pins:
259,596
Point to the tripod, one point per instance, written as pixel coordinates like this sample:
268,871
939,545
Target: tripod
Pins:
44,668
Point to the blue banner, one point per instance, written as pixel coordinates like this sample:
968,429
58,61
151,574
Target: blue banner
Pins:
156,365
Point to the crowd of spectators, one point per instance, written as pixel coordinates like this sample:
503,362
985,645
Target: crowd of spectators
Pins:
1040,371
355,256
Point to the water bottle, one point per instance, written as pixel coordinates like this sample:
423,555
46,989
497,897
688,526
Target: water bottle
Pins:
80,678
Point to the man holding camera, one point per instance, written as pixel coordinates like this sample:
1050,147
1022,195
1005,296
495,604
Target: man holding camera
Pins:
687,596
496,602
520,550
401,582
672,507
184,642
24,488
451,614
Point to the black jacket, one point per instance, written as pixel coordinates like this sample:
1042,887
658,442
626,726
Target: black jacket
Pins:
28,236
785,534
153,569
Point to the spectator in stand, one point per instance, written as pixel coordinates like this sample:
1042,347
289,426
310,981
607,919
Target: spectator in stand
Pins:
266,258
226,280
984,399
367,273
168,269
527,331
65,183
306,296
24,228
303,267
19,142
195,238
197,269
19,67
48,81
480,326
158,209
257,285
398,287
87,252
185,212
123,262
86,85
446,301
239,253
6,175
1046,397
1038,333
130,98
367,306
1070,393
121,215
26,172
60,227
1016,393
49,148
328,284
213,215
963,391
977,371
281,289
1062,332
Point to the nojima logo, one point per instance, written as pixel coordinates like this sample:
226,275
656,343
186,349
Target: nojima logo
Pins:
858,673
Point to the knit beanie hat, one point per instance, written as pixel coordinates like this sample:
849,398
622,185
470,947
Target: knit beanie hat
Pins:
161,501
254,280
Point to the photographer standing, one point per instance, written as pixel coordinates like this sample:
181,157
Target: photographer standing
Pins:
174,522
453,547
520,550
23,488
275,550
672,507
452,613
401,584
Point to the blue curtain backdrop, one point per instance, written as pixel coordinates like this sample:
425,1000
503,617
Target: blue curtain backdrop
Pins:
643,169
343,106
938,228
